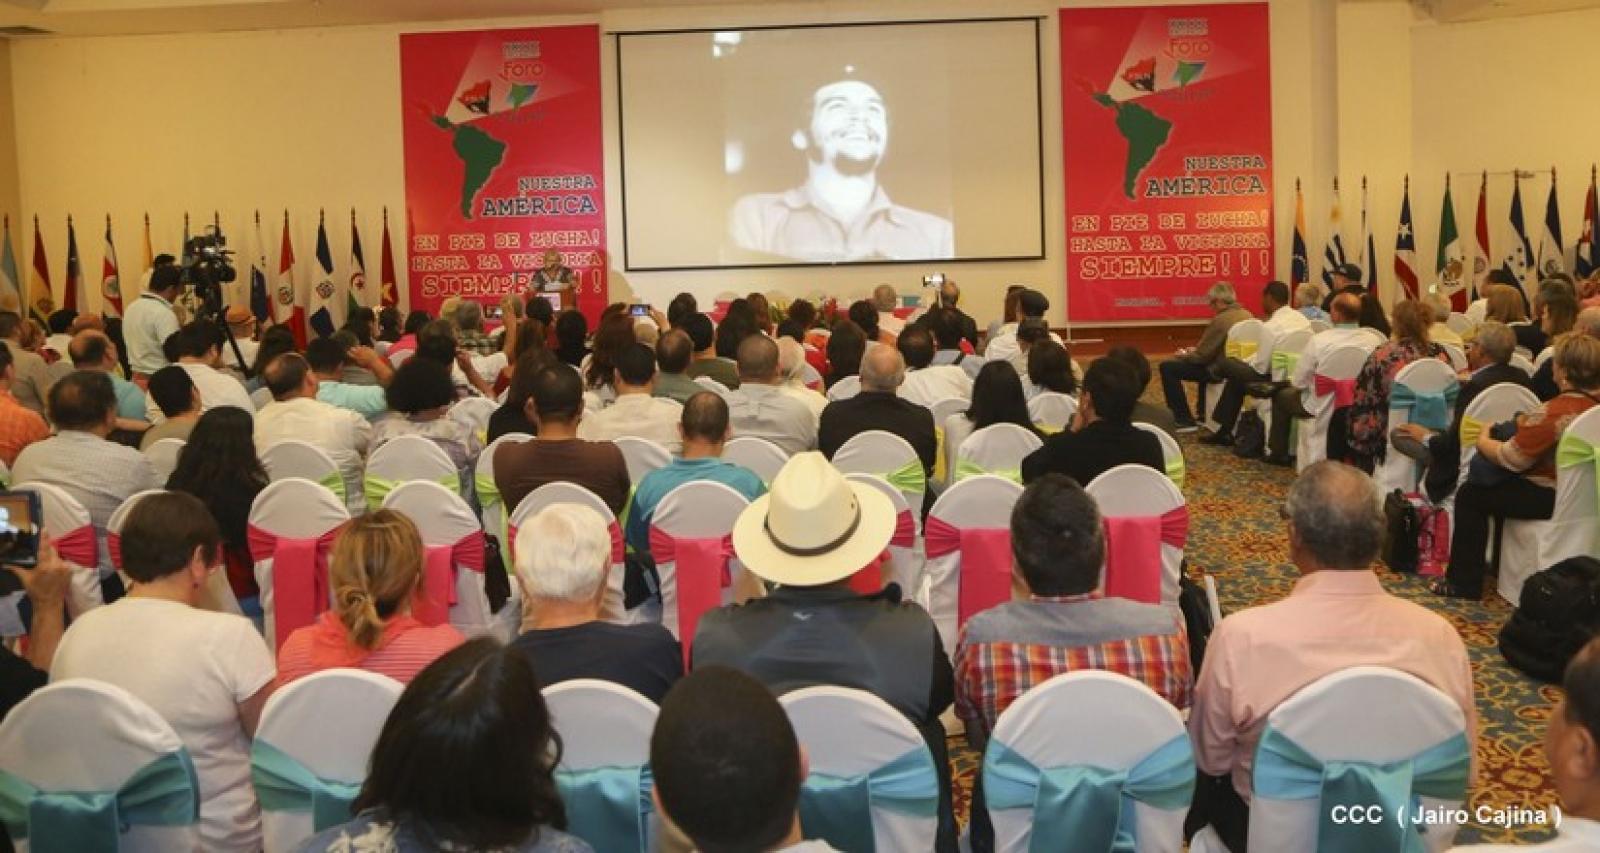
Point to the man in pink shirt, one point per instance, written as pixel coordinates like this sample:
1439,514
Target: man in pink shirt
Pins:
1338,616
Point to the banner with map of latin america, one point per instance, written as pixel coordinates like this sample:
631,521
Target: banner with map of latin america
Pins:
504,158
1167,133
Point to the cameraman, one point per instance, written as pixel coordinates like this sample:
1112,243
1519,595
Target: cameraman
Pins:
151,320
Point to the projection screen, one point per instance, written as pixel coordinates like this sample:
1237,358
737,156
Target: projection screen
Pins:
831,144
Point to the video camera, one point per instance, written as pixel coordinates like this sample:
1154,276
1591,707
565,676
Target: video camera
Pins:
206,265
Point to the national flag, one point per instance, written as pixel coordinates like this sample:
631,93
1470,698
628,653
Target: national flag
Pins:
1369,249
1448,266
1586,260
41,302
356,294
1520,258
1333,249
260,302
286,307
322,287
1405,248
110,281
10,282
72,292
388,290
1300,263
1552,251
1480,245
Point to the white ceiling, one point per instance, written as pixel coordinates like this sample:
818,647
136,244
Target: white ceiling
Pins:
1458,11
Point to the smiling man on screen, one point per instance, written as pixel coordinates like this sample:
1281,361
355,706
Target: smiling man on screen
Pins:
840,213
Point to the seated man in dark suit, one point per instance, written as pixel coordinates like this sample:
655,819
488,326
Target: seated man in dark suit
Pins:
1102,435
1489,364
878,407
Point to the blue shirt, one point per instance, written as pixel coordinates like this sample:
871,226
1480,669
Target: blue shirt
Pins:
1314,312
369,401
659,482
130,400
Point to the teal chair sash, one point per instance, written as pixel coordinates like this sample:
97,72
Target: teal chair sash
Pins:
909,477
1431,409
1089,804
1286,771
609,807
164,792
838,809
286,785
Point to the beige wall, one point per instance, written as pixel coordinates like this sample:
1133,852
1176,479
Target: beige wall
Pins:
10,190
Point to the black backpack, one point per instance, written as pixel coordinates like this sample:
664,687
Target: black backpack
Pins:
1559,613
1401,524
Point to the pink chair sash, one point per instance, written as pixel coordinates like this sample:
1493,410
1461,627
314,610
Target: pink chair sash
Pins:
702,574
1343,390
869,579
1133,552
905,531
114,549
299,576
985,563
78,547
431,606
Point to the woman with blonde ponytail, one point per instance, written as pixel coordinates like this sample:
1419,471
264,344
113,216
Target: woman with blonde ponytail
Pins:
375,571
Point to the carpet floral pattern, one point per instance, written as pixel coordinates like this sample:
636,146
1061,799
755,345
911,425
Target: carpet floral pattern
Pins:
1237,536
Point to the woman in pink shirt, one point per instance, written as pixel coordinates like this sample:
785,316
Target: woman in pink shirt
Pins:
375,571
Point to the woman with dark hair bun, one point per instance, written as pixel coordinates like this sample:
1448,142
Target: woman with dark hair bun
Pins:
465,761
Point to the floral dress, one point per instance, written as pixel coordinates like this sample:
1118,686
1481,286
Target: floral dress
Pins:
374,831
1368,415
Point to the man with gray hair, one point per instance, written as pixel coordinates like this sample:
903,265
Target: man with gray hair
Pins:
1196,363
760,408
949,297
1308,301
563,557
470,335
1337,616
885,299
1440,332
879,407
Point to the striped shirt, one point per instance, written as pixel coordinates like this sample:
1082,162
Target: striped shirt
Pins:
1008,649
400,658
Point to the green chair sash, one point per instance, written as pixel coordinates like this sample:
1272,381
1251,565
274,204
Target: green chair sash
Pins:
378,488
838,809
1574,451
164,792
285,785
1471,429
909,477
335,483
1176,470
1284,362
966,468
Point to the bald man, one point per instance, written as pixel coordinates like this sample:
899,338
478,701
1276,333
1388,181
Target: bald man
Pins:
759,407
1299,398
879,406
91,349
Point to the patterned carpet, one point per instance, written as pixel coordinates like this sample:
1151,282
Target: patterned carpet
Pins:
1236,536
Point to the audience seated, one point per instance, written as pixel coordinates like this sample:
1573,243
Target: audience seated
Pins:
513,415
31,386
375,571
329,357
1031,305
437,343
759,408
469,330
557,454
1337,616
1527,490
792,366
1050,369
1345,278
1368,416
949,304
845,348
1144,413
926,382
198,347
878,407
207,674
92,350
1030,331
572,335
563,555
1101,435
680,307
219,466
808,536
275,341
614,335
465,761
997,398
674,350
1488,364
1308,301
296,414
1555,306
1372,314
1543,383
727,766
1502,301
1290,402
886,301
950,336
738,322
1240,374
421,396
45,585
174,393
634,411
707,361
20,426
1439,311
864,314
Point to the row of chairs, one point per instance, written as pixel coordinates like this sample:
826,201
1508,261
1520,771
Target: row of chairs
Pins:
1087,754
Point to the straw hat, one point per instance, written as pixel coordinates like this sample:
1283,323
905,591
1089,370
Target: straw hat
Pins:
814,527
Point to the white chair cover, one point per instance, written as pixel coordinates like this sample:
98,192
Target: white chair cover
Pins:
711,384
884,454
1378,338
1095,719
1052,409
297,509
1341,363
84,735
602,725
641,456
1426,375
982,501
443,519
809,376
328,723
475,412
1519,552
63,515
550,494
163,456
1543,356
1131,490
995,449
699,509
845,388
1250,334
1457,356
848,733
944,407
762,457
217,595
1319,326
1291,342
1522,363
1171,452
492,509
1367,714
292,458
1574,527
407,458
1460,323
905,562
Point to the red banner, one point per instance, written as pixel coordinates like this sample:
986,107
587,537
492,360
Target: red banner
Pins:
504,162
1167,135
